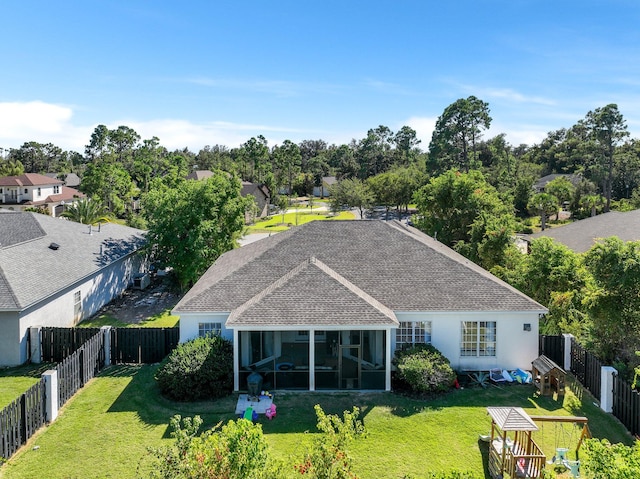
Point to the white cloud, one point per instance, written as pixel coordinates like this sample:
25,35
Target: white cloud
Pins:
424,127
42,122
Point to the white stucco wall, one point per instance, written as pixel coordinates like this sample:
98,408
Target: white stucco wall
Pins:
515,347
58,310
189,324
9,338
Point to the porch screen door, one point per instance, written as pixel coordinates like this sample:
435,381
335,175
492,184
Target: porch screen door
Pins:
349,366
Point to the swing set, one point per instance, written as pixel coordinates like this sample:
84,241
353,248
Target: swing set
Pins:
563,438
513,452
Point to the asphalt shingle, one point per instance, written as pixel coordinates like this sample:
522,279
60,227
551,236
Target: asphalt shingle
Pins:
398,266
30,270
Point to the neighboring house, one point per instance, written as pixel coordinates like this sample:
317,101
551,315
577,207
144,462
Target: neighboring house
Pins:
70,179
581,235
262,198
540,185
325,305
259,192
323,190
200,175
55,272
32,190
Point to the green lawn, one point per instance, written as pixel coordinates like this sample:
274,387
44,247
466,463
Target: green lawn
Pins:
161,320
105,429
15,381
278,223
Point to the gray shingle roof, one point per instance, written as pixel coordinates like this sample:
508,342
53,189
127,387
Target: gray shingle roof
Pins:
582,235
397,266
30,271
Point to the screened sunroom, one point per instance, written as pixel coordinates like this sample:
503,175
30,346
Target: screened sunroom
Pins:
315,359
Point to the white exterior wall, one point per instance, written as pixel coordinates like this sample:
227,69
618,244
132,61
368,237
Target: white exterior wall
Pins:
58,311
9,338
515,348
189,324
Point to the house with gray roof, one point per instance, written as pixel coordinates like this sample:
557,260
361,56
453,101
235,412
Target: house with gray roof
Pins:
322,191
55,272
581,235
325,305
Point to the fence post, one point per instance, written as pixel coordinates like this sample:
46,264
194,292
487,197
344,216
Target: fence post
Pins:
606,388
34,344
567,351
106,331
51,393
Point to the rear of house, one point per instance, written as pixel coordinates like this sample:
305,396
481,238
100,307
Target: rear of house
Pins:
326,304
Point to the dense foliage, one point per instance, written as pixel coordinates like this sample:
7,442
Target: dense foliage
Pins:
611,461
239,450
191,225
424,369
201,368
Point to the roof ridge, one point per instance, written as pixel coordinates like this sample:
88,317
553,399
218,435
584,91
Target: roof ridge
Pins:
311,261
444,250
3,279
269,289
353,288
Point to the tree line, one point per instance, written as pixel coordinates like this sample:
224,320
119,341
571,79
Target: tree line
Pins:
470,193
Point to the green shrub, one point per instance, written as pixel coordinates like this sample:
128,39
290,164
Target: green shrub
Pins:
237,450
425,369
198,369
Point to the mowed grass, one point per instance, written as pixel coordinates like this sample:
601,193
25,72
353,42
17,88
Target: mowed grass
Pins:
103,432
15,381
281,222
160,320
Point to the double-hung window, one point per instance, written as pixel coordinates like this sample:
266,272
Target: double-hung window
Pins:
411,333
209,329
478,338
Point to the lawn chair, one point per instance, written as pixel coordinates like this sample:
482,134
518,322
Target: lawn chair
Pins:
271,411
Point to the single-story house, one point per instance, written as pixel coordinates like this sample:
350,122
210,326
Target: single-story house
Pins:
322,191
325,305
581,235
70,179
541,183
262,198
55,272
33,190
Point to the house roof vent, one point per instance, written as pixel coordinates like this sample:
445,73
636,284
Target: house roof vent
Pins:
54,246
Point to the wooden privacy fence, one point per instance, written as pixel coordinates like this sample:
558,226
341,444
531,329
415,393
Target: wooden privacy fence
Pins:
142,345
81,366
127,345
626,404
552,347
58,343
587,368
21,419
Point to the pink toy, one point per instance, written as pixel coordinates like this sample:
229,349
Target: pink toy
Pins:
271,411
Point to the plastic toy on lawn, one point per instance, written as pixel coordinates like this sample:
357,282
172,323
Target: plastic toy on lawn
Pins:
271,411
250,414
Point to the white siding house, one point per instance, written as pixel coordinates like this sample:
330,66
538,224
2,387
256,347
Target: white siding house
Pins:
54,272
326,304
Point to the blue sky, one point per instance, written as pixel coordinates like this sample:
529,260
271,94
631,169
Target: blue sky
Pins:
197,73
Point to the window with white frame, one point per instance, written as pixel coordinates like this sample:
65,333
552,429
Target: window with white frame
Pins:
209,329
478,338
56,189
77,303
413,332
39,192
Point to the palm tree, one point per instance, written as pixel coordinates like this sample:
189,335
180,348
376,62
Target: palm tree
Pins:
543,204
86,211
